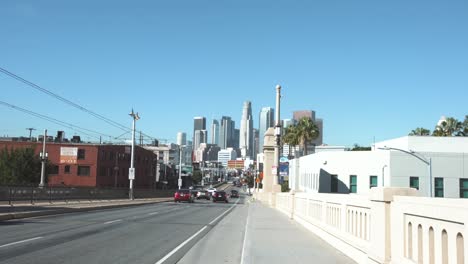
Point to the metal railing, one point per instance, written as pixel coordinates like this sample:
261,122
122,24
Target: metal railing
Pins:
32,194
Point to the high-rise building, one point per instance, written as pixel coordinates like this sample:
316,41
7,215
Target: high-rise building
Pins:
199,123
181,138
246,131
266,121
226,133
236,138
215,132
200,137
255,144
225,155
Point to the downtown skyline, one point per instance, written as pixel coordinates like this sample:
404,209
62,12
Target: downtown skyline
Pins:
372,71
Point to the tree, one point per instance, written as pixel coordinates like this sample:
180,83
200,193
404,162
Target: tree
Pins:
447,128
420,131
19,166
356,147
306,131
197,176
290,137
464,127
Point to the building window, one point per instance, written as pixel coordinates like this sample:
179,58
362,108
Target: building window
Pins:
463,188
83,170
372,181
334,183
352,183
54,169
102,171
414,182
67,169
439,187
81,154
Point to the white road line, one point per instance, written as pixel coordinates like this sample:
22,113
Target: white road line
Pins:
19,242
193,236
180,246
245,235
232,206
153,213
114,221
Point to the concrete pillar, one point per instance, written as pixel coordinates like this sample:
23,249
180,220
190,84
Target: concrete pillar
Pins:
380,237
270,187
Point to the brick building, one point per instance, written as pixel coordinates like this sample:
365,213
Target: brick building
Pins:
94,165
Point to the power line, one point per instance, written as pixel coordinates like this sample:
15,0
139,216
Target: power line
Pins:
56,121
54,95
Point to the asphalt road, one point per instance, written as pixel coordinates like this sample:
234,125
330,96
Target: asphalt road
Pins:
156,233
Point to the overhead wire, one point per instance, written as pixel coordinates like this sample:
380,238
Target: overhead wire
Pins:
56,96
56,121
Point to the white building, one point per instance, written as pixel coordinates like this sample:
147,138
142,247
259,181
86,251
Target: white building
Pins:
225,155
403,162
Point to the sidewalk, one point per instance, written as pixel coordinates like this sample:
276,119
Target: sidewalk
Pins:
271,237
26,210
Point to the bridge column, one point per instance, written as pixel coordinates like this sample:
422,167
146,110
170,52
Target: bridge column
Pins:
380,235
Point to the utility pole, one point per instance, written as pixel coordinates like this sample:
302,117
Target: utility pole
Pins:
30,132
131,170
43,159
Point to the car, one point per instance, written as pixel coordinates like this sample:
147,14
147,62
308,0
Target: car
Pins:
183,195
234,194
211,190
219,196
203,194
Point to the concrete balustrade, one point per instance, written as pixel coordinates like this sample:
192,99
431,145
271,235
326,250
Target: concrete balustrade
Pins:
390,225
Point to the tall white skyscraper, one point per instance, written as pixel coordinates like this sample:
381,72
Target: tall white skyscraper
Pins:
246,131
215,132
266,121
181,138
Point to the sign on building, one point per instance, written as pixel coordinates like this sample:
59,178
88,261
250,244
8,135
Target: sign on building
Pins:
68,155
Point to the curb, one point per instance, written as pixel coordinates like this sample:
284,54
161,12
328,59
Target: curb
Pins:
21,215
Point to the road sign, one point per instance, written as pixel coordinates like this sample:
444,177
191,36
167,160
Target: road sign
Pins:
131,173
179,182
273,170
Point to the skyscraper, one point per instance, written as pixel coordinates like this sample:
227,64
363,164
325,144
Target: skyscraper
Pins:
226,132
246,131
199,138
266,121
215,132
181,138
199,124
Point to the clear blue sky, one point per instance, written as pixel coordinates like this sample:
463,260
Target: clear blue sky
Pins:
370,69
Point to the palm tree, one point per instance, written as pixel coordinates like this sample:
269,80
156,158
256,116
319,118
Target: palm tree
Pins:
447,128
290,137
306,131
464,127
420,131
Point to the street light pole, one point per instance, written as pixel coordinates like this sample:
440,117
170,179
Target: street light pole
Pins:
277,134
427,161
179,182
131,171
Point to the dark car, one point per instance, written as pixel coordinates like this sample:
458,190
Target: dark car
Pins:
183,195
234,194
219,196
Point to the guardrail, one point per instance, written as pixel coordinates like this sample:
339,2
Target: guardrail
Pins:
33,194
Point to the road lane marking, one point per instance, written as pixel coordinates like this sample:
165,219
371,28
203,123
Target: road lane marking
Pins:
19,242
245,235
153,213
180,246
193,236
114,221
232,206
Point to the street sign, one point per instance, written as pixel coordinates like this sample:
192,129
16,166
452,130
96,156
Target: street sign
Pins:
131,173
273,170
179,182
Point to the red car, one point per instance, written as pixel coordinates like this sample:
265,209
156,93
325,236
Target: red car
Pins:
183,195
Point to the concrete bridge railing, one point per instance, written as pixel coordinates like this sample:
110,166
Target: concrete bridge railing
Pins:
391,225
